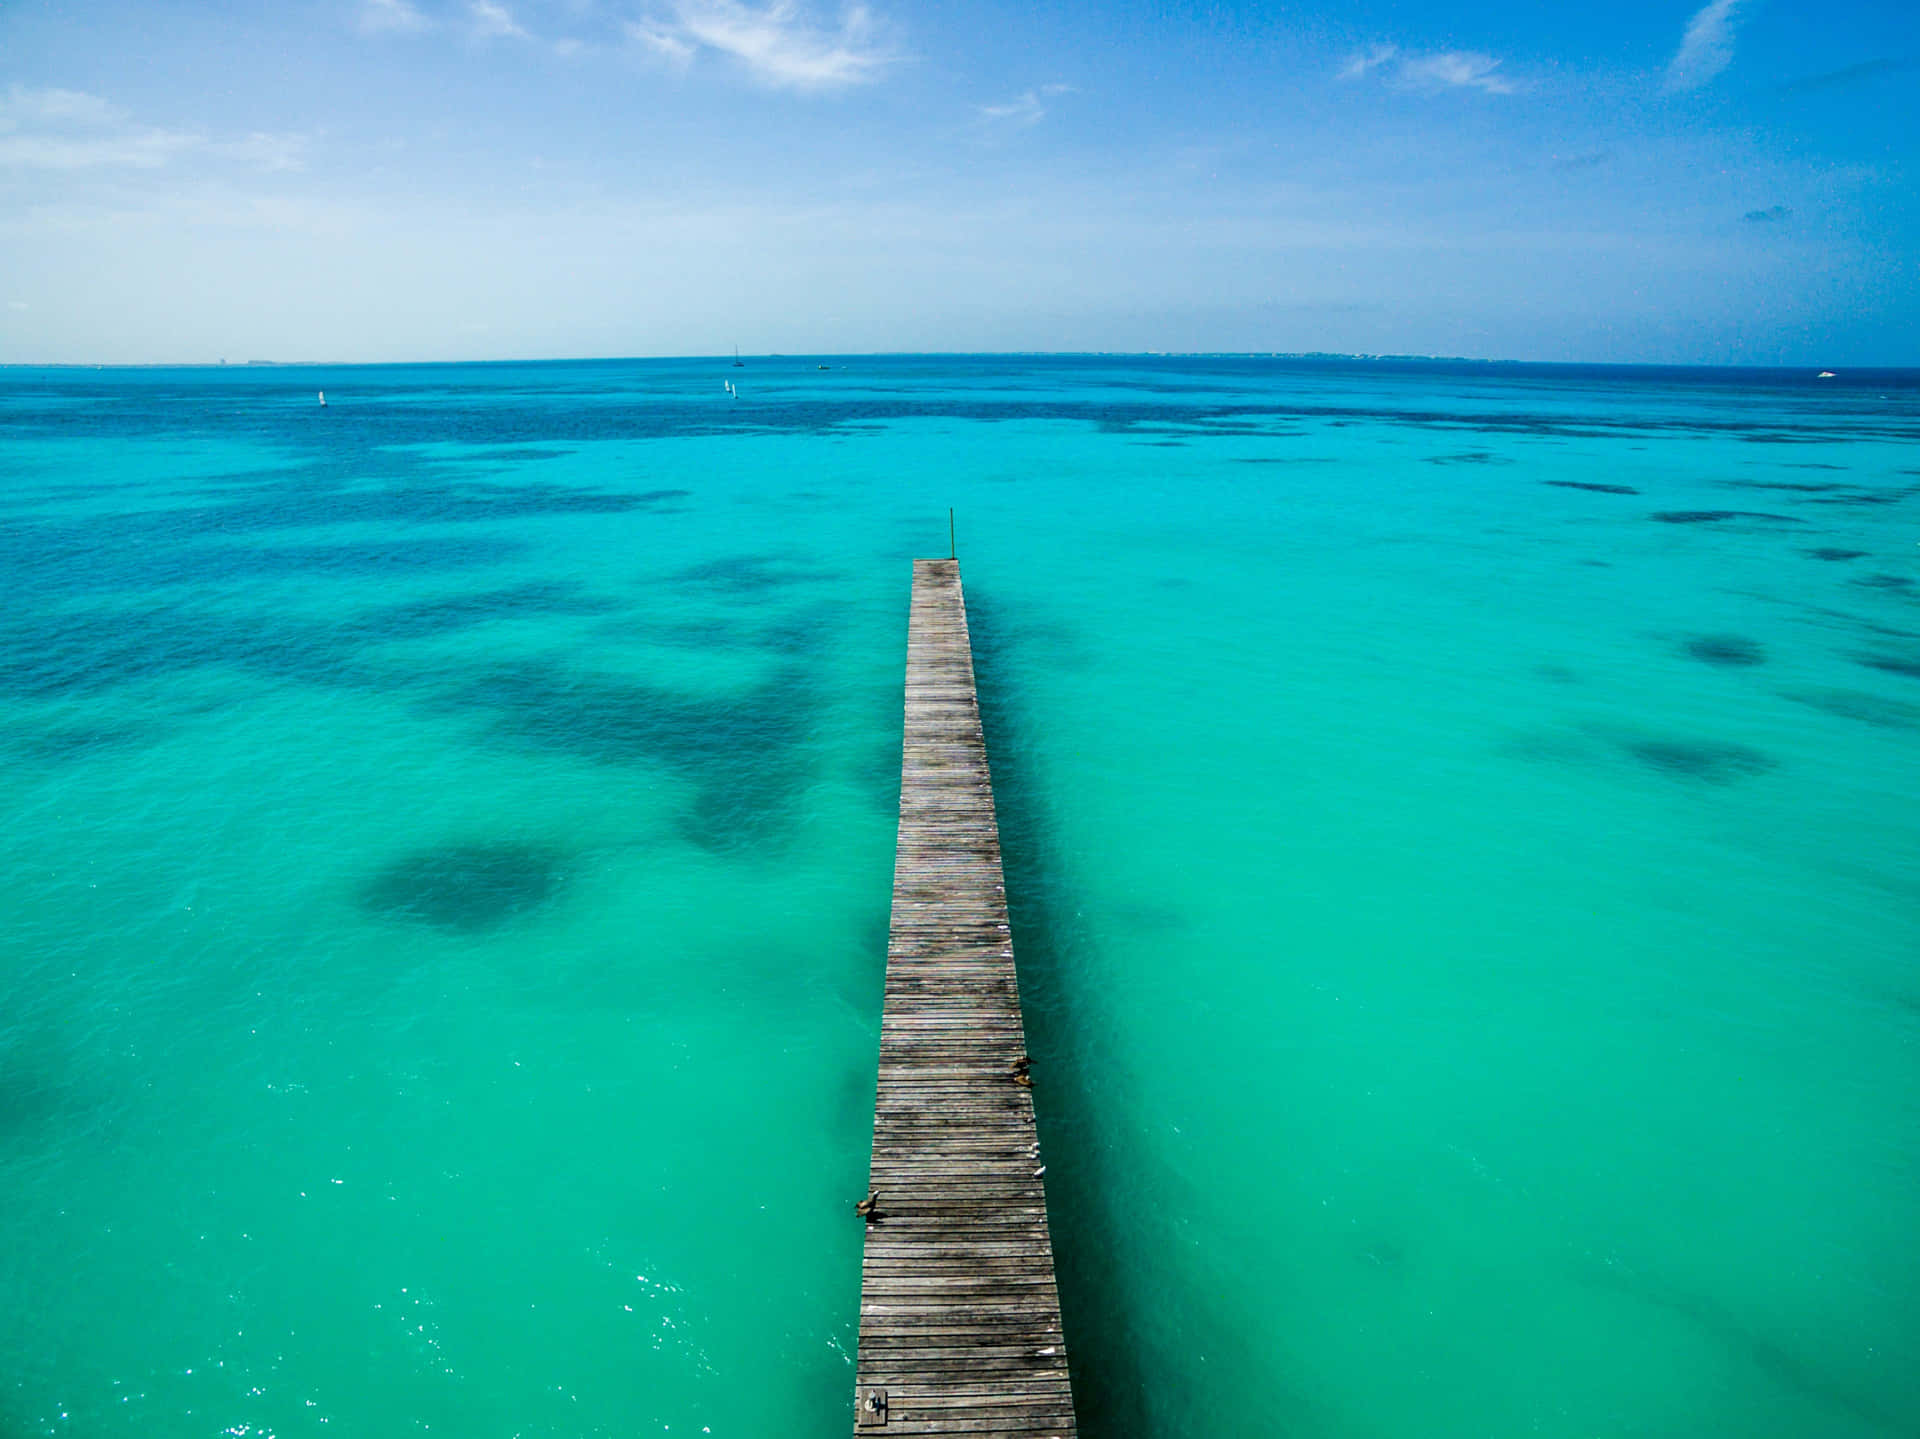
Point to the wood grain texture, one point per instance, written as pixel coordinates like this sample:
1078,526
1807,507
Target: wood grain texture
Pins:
959,1313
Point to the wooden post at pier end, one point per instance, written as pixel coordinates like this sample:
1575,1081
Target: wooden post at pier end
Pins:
959,1315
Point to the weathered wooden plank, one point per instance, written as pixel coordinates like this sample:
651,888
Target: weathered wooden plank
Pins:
1033,1414
959,1311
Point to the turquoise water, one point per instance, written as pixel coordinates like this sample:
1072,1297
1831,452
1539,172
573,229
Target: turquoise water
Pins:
1460,822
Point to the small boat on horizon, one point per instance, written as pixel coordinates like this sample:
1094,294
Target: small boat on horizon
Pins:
323,399
1824,375
738,363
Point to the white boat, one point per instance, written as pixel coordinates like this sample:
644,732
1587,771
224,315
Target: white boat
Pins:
1824,375
323,399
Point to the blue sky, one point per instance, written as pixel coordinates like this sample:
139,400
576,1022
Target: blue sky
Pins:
455,179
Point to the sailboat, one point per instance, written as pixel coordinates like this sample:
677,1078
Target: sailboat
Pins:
738,363
323,399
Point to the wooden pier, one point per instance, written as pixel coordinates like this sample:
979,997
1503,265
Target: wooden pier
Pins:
959,1316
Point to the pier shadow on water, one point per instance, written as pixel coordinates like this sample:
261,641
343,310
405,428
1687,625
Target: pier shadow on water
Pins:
1110,1382
1127,1380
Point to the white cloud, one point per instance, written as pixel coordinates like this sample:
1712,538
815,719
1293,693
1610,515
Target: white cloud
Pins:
21,107
1707,47
1372,60
390,16
37,152
777,43
662,41
1027,109
1440,70
1455,69
67,130
494,21
18,305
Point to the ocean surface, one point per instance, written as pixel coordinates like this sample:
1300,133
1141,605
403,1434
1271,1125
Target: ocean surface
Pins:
1461,824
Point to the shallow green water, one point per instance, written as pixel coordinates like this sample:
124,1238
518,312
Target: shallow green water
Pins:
1467,918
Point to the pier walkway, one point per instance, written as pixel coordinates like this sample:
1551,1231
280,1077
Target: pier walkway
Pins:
959,1316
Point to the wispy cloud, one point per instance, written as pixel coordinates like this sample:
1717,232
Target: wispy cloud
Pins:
379,17
1773,214
662,40
22,108
1456,69
70,130
1027,109
145,150
1432,72
493,21
1368,60
1707,47
777,43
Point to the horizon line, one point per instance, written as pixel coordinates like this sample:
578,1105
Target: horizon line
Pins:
1361,356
